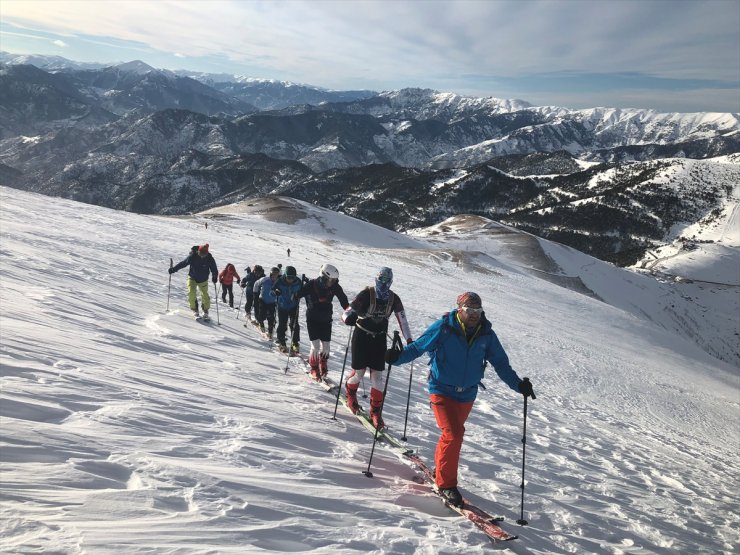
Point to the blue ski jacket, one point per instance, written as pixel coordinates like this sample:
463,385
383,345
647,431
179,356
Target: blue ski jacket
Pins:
288,297
457,364
263,289
199,267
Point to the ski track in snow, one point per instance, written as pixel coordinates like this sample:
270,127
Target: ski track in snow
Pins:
126,429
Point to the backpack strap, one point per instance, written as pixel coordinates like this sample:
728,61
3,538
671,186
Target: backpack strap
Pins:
371,292
373,302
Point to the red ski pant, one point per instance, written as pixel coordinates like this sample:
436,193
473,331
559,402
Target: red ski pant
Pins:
451,416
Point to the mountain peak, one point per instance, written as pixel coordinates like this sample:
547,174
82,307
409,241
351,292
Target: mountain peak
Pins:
135,66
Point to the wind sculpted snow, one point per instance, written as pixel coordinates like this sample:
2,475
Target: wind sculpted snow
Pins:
129,429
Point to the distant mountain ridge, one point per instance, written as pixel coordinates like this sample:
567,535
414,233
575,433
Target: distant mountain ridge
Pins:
133,137
269,94
249,93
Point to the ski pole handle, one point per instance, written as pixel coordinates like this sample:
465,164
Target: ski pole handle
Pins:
530,387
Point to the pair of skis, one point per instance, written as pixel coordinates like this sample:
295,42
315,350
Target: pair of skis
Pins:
487,523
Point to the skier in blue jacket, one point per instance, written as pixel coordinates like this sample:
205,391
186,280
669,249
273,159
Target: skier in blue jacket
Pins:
460,344
201,262
287,288
266,301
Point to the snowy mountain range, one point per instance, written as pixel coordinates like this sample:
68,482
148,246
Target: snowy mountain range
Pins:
127,427
132,137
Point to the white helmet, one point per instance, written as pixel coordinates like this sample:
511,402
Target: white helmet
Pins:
329,272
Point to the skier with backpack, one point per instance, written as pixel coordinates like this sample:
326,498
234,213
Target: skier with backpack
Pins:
266,300
201,262
286,289
369,313
226,278
460,344
319,294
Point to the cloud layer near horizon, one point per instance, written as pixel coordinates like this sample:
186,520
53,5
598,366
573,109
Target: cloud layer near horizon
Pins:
465,46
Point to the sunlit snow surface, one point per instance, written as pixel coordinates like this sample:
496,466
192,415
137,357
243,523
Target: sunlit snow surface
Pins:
128,429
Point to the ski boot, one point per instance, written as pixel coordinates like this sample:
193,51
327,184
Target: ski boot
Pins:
376,406
324,366
451,496
351,392
313,362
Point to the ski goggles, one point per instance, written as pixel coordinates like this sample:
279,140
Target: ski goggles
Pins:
385,280
472,311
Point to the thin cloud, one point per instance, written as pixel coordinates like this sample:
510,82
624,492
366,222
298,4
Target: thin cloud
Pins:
59,43
23,35
384,44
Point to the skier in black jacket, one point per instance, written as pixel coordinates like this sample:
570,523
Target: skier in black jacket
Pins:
247,284
319,294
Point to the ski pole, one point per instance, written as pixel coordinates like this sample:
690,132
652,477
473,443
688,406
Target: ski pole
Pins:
341,376
521,520
169,286
292,335
218,319
239,306
408,401
396,341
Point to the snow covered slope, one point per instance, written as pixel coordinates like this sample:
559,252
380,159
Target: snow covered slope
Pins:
707,250
703,312
129,429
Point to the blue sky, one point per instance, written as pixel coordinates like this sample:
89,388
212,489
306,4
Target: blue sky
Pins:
668,55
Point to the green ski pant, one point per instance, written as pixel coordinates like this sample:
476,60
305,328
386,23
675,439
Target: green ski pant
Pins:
204,298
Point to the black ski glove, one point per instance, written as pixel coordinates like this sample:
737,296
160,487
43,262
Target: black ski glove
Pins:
170,270
525,388
392,354
276,292
351,320
214,279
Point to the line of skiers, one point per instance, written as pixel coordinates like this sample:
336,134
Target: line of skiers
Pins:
281,292
460,344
